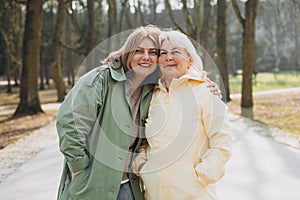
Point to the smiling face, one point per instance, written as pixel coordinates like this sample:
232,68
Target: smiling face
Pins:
144,58
173,61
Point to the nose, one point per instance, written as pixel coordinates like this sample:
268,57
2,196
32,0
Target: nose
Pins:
146,55
169,56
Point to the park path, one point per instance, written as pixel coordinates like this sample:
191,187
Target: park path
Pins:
264,165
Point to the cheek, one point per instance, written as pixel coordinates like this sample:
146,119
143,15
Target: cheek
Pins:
154,59
184,68
160,61
133,62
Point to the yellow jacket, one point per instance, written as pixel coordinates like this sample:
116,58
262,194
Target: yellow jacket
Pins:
188,142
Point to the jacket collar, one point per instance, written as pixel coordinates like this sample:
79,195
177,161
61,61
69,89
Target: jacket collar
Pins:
192,75
117,72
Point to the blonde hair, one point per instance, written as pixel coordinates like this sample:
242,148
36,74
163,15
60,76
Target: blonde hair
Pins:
125,53
181,40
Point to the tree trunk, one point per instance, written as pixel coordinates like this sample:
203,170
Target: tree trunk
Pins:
248,24
200,12
248,58
124,10
67,54
92,26
205,30
7,58
42,85
29,98
112,17
56,67
221,46
90,43
8,68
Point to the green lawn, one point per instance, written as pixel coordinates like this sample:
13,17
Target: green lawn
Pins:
267,81
278,110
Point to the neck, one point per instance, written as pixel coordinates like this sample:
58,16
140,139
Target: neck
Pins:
135,82
167,83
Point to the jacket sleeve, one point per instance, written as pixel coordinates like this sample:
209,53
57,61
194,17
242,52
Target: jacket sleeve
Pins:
216,125
76,117
140,158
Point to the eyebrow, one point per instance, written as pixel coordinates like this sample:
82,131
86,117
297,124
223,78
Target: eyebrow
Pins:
147,48
175,48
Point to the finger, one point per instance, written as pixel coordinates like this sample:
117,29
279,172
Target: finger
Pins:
211,85
208,80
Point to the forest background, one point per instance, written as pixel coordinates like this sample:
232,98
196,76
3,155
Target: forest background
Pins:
43,44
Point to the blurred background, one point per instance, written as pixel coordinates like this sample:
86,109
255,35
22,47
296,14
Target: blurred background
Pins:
255,45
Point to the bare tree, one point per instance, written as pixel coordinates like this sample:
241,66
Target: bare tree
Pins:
124,10
112,17
193,29
221,45
248,24
89,38
7,58
11,28
29,98
296,20
56,67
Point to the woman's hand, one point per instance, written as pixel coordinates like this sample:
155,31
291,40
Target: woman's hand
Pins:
75,174
141,166
213,87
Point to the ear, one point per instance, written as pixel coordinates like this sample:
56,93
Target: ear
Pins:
190,63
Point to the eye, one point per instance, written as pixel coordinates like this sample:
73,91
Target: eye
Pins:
176,52
162,53
153,52
139,51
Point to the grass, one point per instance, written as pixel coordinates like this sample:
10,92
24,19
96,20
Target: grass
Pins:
266,81
278,110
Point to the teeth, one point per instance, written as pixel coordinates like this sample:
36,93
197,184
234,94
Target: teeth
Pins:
145,65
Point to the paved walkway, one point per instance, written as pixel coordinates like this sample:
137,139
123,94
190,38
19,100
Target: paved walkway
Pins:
261,168
268,92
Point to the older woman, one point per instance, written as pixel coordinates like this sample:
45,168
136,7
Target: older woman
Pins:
187,128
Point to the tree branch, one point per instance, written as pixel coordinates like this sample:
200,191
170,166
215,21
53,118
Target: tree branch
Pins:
62,44
238,12
175,22
76,24
188,16
69,47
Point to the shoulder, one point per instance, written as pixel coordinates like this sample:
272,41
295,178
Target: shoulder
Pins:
205,96
91,77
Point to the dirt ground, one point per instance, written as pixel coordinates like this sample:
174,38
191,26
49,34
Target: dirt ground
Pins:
278,110
14,129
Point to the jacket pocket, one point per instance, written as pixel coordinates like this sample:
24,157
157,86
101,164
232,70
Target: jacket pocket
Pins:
79,183
198,179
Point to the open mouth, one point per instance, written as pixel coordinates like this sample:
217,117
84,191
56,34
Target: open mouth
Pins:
145,65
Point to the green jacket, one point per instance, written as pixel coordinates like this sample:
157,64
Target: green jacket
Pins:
94,126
